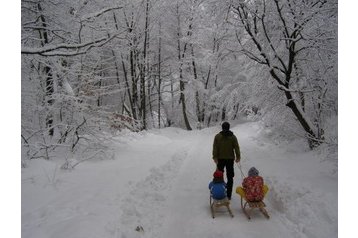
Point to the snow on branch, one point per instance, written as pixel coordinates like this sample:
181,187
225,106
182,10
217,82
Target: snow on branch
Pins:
96,14
52,50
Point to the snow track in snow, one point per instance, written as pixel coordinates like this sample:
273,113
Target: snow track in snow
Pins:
144,208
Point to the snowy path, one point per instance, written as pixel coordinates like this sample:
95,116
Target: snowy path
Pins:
158,183
189,209
183,210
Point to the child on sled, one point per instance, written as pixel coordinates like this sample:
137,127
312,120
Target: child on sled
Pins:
252,193
218,186
253,188
218,195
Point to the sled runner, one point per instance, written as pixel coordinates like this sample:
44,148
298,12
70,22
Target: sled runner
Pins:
247,207
219,203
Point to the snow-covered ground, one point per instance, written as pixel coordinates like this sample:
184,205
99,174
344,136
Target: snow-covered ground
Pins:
157,186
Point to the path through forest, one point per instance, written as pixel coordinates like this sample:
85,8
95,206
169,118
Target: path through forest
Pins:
157,186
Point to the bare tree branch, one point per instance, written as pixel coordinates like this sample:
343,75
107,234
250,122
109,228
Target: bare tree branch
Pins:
76,48
99,13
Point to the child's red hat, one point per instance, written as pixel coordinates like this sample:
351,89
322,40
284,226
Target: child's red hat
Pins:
218,174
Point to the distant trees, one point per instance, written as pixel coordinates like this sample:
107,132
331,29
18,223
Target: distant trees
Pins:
93,67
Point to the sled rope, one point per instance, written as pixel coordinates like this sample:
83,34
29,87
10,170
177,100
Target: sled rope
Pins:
239,166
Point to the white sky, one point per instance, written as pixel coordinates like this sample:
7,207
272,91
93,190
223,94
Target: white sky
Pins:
347,39
10,20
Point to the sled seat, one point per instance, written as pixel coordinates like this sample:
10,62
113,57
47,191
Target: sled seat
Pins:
248,206
214,204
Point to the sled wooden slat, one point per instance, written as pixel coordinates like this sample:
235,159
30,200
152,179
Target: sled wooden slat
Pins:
256,204
247,207
219,203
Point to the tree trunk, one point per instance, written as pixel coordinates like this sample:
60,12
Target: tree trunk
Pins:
48,74
159,75
297,111
133,92
49,94
128,89
312,139
223,114
181,81
169,120
117,67
197,100
144,69
182,101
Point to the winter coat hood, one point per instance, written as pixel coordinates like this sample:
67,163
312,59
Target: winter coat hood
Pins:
227,133
253,172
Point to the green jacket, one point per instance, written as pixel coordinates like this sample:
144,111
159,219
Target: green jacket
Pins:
225,144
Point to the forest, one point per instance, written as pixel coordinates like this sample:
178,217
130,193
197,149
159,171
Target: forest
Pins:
91,68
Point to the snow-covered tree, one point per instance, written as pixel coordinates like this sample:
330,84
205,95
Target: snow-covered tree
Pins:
296,43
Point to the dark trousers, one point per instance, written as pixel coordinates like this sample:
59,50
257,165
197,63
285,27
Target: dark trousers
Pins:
229,165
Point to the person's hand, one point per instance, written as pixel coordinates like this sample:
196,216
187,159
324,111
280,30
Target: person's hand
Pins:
237,160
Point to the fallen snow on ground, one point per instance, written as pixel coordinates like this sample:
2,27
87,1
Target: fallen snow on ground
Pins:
157,186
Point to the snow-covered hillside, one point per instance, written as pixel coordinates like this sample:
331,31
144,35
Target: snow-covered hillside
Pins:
157,186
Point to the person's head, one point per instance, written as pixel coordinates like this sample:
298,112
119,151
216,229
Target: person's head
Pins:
253,172
225,126
218,176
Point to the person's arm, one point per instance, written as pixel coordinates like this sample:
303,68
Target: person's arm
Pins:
244,183
261,180
215,150
237,150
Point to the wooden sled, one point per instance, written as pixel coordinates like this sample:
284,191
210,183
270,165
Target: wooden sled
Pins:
219,203
247,207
